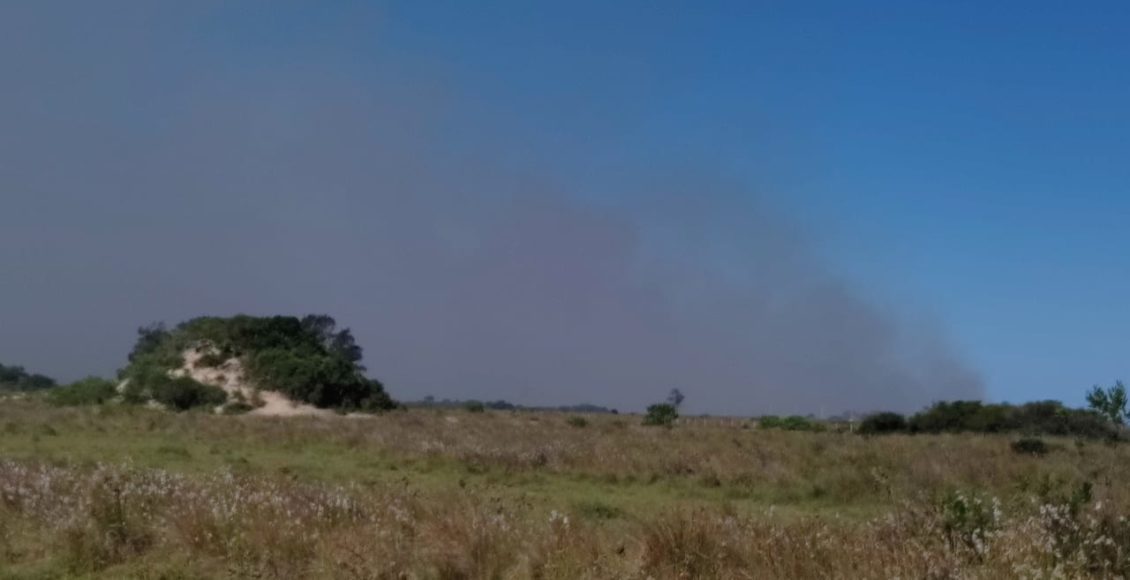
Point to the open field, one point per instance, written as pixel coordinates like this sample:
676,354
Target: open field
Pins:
125,492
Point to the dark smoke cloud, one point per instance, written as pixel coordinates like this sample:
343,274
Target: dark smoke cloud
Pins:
143,178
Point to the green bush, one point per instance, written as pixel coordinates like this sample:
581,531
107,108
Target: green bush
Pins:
1036,418
237,408
969,520
577,421
183,393
15,378
790,423
661,414
1030,446
474,407
211,360
89,391
881,423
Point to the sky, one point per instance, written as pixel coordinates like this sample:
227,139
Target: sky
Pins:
775,207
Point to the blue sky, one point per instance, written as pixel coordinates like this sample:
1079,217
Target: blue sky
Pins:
962,165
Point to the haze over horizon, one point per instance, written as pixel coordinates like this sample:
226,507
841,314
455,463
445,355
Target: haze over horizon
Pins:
872,209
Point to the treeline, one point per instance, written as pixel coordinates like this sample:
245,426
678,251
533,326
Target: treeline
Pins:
15,378
501,405
1036,418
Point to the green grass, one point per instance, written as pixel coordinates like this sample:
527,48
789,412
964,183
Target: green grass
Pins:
754,498
200,444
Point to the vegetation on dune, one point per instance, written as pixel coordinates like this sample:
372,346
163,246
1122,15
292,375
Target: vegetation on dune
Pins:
307,359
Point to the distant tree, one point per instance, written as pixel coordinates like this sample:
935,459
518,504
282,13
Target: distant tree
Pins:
149,339
18,379
790,423
500,405
881,423
346,347
11,375
341,343
321,326
661,414
675,398
1109,402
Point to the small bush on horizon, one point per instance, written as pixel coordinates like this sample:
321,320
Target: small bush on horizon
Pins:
474,407
661,414
790,423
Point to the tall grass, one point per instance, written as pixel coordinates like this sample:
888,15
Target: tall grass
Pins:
113,493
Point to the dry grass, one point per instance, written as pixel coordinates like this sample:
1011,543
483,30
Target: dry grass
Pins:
118,493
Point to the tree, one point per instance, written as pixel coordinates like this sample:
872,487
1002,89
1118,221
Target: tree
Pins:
1110,402
886,422
675,398
661,414
16,378
149,339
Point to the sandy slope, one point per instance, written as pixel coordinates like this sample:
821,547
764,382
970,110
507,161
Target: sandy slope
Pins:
229,377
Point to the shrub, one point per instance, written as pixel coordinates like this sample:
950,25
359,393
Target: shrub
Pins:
211,360
237,408
686,545
1030,446
790,423
881,423
598,510
15,378
501,405
1036,418
969,521
577,421
183,393
661,414
89,391
474,407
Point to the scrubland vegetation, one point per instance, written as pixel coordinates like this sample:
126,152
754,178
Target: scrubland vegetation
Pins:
94,485
113,491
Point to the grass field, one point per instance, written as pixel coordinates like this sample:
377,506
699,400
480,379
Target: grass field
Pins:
125,492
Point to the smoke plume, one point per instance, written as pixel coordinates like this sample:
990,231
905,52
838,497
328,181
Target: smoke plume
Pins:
149,175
